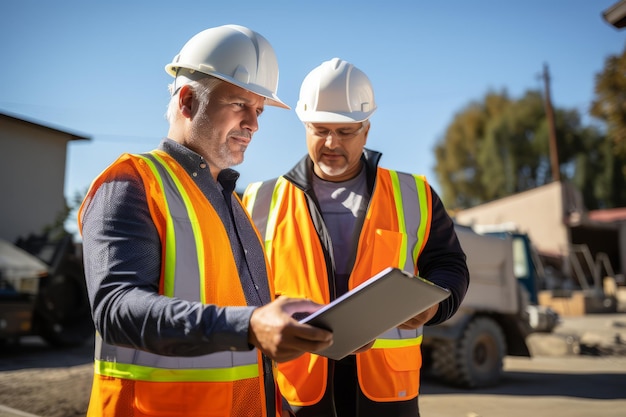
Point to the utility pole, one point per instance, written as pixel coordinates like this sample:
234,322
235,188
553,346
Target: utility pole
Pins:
554,155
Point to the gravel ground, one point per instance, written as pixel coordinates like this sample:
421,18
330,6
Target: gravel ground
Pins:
53,392
56,383
38,379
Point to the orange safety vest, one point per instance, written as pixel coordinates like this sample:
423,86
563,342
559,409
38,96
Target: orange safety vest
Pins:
394,231
130,382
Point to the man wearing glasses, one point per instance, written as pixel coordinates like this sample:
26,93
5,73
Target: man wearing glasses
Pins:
335,220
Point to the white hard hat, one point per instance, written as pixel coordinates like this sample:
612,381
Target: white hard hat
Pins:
234,54
336,92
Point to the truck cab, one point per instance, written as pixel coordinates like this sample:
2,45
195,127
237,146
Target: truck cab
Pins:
498,313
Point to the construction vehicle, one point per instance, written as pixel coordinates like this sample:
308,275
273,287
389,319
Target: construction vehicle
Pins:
499,312
43,292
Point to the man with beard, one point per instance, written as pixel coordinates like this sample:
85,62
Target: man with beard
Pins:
337,219
185,314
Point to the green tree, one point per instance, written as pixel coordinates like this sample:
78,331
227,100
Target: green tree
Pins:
609,106
500,146
458,167
596,170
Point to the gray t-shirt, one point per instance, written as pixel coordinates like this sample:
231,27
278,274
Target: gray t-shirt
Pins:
342,203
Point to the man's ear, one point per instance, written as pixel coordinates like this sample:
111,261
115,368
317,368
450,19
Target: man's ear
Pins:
185,101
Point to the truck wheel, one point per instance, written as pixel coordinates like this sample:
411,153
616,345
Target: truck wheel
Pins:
62,314
476,359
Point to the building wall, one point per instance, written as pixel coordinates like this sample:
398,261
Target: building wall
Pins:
32,177
539,212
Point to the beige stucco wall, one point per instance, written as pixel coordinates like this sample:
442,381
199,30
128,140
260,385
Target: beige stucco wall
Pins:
32,177
538,212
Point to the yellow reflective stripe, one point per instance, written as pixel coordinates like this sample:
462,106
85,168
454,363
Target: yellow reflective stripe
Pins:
396,343
420,184
146,373
195,225
400,212
170,239
251,193
272,217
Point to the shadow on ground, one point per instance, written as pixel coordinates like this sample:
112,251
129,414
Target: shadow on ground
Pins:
32,352
597,386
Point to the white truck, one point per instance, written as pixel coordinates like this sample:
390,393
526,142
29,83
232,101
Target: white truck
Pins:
499,311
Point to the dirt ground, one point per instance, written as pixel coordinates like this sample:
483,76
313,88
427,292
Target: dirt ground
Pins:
47,382
557,386
54,392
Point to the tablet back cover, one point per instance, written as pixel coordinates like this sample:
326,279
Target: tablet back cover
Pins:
383,302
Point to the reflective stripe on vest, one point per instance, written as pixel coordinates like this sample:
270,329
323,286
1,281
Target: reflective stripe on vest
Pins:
182,237
183,278
266,214
407,201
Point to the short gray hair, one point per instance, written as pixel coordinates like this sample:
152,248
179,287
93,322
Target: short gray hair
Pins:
202,89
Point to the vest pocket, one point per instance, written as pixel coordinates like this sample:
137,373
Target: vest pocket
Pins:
390,374
183,398
403,359
386,250
302,381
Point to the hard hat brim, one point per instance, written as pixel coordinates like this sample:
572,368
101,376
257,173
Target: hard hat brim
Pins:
271,98
332,117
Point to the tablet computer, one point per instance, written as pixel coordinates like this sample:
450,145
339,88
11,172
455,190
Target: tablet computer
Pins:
383,302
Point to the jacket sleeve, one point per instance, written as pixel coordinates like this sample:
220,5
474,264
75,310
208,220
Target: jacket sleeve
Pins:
122,256
443,261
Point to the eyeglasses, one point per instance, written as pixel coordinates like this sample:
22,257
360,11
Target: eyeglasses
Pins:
343,133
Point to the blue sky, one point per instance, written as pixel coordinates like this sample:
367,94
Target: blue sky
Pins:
96,67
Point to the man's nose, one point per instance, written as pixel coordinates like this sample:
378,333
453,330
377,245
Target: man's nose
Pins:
331,140
251,121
